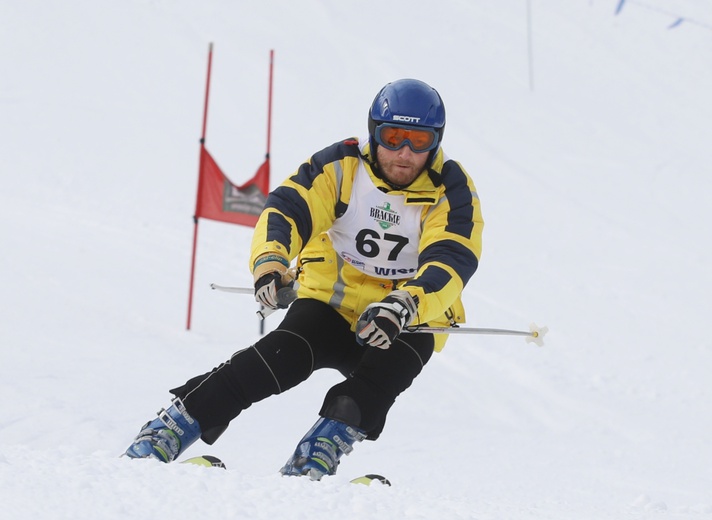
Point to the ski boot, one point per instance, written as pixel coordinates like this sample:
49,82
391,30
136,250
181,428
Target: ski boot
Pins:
318,453
167,436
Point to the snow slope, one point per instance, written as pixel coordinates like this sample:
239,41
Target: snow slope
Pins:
593,174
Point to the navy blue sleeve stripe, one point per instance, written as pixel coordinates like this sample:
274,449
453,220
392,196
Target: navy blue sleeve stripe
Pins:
432,280
278,229
452,253
459,196
308,172
305,175
288,201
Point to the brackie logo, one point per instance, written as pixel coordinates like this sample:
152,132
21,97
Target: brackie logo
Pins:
385,216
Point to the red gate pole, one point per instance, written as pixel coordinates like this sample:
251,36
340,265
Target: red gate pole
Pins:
200,188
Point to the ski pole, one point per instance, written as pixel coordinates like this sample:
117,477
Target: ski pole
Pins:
534,335
239,290
285,296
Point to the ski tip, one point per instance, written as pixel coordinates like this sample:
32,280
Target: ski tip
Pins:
367,480
206,460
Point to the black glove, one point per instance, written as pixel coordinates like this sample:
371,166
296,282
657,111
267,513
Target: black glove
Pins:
272,291
381,323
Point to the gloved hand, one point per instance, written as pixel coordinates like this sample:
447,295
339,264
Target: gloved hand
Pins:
381,323
274,292
273,285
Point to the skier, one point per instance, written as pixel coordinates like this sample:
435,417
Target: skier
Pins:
386,233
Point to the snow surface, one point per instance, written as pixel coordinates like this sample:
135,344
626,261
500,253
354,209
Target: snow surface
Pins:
594,179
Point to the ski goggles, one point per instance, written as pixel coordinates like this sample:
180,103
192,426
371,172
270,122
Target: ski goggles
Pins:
395,137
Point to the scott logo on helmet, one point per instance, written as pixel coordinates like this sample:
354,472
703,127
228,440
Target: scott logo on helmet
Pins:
407,119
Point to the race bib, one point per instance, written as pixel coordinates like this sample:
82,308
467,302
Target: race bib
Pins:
379,234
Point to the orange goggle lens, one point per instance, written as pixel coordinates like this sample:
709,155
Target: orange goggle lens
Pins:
395,137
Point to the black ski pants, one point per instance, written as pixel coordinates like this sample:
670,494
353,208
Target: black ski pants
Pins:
311,336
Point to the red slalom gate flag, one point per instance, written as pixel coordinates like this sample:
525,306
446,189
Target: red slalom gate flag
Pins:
220,199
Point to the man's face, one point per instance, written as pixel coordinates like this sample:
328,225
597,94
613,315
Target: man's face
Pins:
400,166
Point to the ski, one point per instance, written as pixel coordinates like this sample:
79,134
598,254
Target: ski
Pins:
205,460
369,479
210,461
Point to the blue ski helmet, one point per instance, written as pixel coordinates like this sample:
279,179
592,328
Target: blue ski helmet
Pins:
409,102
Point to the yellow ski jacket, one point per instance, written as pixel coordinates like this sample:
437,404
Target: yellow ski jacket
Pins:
299,215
